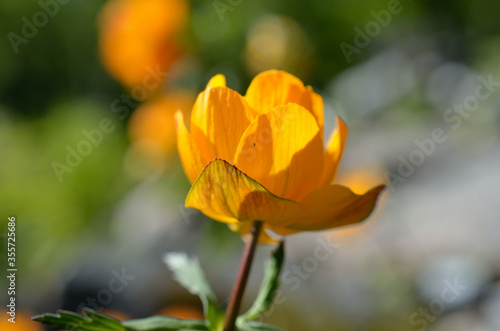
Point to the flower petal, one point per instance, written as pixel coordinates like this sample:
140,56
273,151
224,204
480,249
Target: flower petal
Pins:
243,228
273,88
283,150
314,103
335,149
217,80
228,195
219,118
191,158
332,206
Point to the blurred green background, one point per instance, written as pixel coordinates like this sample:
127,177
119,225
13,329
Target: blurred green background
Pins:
394,70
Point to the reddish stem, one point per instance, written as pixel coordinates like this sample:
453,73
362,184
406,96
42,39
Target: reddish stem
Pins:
234,304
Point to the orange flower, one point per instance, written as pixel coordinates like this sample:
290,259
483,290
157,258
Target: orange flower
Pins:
22,320
152,134
153,122
182,311
262,157
138,41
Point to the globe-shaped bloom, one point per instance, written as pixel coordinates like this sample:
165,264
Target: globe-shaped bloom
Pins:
139,41
262,157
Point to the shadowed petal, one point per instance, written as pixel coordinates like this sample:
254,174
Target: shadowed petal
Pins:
330,207
313,102
191,158
334,151
225,193
243,228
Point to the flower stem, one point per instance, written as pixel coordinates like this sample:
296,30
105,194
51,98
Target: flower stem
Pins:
234,304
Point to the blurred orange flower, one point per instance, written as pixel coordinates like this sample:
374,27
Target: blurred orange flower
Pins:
277,41
138,41
153,122
152,133
262,157
23,322
182,311
119,315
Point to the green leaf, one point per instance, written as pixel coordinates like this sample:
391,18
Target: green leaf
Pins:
257,326
91,320
268,288
164,323
189,274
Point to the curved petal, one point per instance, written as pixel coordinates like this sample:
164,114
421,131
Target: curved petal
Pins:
191,158
217,80
330,207
314,103
273,88
283,150
334,151
228,195
219,118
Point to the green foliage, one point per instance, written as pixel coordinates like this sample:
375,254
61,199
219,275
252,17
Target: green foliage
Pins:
91,320
94,321
256,326
73,213
164,323
190,275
